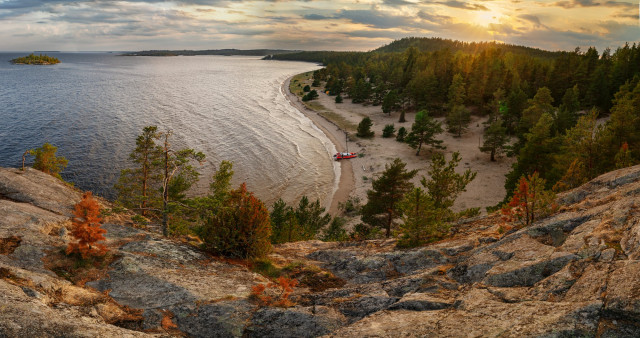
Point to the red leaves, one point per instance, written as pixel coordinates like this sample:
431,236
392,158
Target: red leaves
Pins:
530,201
275,293
86,228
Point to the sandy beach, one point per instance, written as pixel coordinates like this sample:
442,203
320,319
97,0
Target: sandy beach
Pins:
356,174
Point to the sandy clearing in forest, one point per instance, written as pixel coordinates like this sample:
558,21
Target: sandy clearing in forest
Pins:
356,174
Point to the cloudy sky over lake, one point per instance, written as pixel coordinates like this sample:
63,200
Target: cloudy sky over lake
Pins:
311,25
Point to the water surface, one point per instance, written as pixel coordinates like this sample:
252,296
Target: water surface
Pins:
93,105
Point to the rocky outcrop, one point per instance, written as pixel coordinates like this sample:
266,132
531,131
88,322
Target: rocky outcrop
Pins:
575,273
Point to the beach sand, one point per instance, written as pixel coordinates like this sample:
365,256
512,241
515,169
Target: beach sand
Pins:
356,174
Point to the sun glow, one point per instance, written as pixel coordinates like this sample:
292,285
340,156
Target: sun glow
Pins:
485,18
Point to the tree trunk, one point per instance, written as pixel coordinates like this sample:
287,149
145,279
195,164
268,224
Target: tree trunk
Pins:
165,192
402,119
388,233
493,155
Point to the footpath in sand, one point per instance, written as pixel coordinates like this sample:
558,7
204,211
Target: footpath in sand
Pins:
356,174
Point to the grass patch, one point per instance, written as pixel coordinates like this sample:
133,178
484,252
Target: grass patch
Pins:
339,121
266,268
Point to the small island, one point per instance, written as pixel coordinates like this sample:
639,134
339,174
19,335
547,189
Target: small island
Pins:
33,59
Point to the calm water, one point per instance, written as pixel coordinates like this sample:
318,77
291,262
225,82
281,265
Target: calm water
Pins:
92,106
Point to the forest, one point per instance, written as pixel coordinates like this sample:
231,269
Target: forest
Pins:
33,59
570,115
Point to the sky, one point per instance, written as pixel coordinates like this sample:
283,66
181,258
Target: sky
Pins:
359,25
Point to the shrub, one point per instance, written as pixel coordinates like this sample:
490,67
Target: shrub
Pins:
530,201
388,131
310,96
239,228
339,98
306,89
86,228
47,161
275,293
402,133
335,232
364,128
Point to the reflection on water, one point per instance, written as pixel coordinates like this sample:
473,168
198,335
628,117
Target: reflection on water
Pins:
92,106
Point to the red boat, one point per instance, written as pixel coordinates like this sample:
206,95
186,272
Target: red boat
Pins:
342,156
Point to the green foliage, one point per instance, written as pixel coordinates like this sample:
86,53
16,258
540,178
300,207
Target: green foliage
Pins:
458,120
422,222
221,183
542,103
339,98
291,224
306,89
240,228
47,161
390,102
444,183
265,267
457,93
388,131
33,59
623,157
387,191
351,206
423,131
495,139
530,201
335,232
402,133
312,95
364,128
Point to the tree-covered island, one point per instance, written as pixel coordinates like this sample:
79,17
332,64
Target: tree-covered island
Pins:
33,59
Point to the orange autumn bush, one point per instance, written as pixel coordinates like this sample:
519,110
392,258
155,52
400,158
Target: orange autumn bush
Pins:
86,228
275,293
530,201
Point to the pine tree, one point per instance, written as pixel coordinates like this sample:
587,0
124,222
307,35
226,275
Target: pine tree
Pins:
423,131
457,92
86,228
542,103
422,221
138,188
402,133
495,139
387,191
444,184
364,128
458,120
567,115
390,102
335,232
388,131
47,161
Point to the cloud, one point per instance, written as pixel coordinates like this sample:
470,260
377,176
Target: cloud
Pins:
375,18
464,5
434,18
592,3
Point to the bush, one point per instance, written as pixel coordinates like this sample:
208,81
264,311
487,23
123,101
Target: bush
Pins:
306,89
47,161
312,95
339,98
86,229
239,228
275,293
402,133
530,201
335,232
364,128
388,131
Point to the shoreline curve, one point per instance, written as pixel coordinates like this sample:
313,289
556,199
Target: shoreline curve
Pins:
346,180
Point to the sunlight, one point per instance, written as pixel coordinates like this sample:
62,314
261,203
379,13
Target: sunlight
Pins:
485,18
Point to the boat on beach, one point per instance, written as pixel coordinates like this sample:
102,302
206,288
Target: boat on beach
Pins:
342,156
